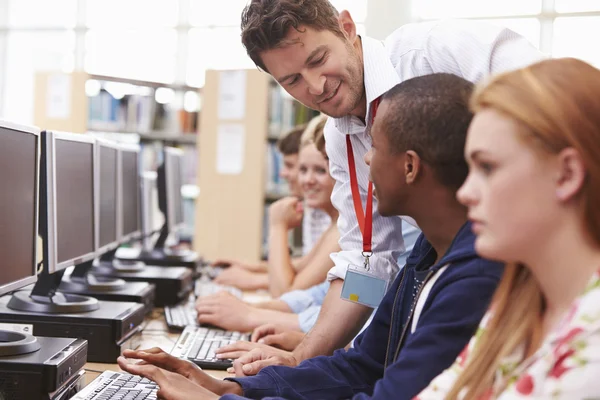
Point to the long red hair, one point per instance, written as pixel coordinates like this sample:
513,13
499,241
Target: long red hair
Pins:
559,102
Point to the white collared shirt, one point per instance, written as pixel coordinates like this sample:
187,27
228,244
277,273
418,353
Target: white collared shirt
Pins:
470,49
314,225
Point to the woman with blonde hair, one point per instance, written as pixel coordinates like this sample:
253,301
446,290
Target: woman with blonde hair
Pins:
300,290
533,194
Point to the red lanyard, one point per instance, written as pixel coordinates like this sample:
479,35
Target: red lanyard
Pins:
365,219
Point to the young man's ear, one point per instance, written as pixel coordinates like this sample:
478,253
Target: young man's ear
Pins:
347,25
412,167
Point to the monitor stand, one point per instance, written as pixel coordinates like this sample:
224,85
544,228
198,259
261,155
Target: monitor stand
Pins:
161,255
17,343
83,282
81,278
109,259
44,298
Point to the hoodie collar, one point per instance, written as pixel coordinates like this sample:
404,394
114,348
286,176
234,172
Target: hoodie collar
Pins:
462,247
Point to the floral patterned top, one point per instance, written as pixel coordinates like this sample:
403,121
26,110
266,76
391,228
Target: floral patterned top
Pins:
566,366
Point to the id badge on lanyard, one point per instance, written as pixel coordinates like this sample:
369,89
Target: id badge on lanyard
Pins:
361,285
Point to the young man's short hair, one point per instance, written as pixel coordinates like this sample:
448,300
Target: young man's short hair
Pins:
430,115
289,144
265,23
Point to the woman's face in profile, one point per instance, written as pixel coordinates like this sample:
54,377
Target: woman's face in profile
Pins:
510,189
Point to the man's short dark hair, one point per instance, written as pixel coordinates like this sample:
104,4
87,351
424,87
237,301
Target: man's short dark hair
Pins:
265,23
430,115
289,144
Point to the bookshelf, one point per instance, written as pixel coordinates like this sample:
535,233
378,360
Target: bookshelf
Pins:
81,102
231,209
125,110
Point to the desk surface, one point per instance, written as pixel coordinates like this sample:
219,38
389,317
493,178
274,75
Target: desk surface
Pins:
155,333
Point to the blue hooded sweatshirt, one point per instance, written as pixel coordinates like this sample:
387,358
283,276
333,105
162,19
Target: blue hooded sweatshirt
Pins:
388,360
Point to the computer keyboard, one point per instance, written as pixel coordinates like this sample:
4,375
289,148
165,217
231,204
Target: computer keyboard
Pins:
198,345
118,386
181,315
184,314
207,288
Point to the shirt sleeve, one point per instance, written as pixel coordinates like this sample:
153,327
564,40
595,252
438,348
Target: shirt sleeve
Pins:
387,242
300,300
297,300
475,49
308,317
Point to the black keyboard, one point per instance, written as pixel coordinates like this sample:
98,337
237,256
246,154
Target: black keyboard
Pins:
184,314
181,315
198,345
118,386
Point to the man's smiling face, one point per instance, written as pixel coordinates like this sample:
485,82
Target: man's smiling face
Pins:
320,69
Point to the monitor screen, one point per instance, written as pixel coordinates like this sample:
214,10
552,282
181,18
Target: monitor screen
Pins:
173,181
18,207
107,161
74,161
130,192
176,189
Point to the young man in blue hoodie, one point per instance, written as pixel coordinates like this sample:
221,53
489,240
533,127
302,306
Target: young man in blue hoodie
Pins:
433,307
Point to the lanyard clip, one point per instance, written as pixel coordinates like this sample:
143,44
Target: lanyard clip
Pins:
367,255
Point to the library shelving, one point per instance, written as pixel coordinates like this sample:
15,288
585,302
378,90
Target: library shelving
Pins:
232,206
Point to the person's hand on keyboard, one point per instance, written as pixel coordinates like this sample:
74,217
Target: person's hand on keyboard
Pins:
235,350
226,311
177,379
262,356
243,279
272,335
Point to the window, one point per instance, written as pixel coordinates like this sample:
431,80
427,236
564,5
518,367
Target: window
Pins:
564,6
557,35
131,13
136,53
35,13
205,43
28,52
437,9
216,13
357,8
568,34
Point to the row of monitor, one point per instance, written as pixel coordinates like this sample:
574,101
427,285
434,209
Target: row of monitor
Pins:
84,191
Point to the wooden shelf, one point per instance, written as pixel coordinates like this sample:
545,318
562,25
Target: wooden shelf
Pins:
184,138
180,138
136,82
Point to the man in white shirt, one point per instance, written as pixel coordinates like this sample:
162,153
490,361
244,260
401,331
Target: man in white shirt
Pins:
316,55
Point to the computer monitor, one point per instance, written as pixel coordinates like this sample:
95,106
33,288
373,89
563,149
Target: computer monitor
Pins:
107,210
19,197
174,160
67,226
131,226
72,235
169,182
151,219
107,190
19,181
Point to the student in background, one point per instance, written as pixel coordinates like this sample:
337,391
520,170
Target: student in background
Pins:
316,185
533,194
434,306
298,309
314,223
